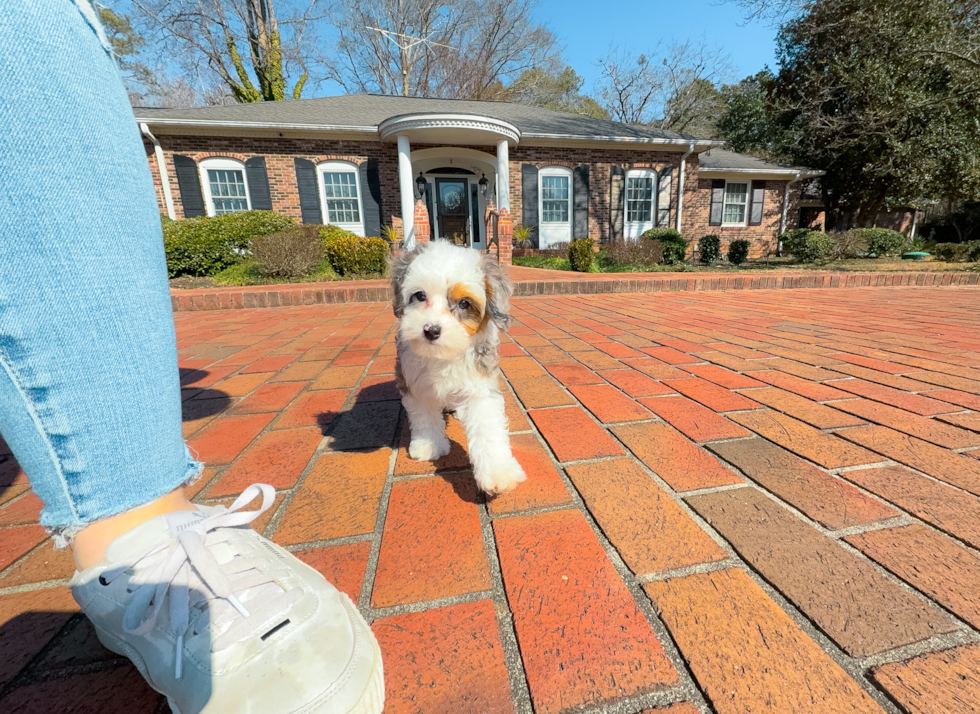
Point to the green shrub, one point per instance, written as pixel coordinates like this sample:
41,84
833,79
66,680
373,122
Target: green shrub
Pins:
675,247
290,253
958,252
806,245
709,248
330,231
738,251
581,255
885,241
207,245
353,255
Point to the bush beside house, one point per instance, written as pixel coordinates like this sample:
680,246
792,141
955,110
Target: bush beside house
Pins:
206,246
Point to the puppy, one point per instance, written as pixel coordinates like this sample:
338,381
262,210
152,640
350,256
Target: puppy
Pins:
452,301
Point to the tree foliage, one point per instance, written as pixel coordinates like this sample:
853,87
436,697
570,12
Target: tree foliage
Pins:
459,49
883,96
253,51
745,122
560,91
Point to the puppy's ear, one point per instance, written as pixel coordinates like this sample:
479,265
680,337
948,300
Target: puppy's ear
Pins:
399,265
499,289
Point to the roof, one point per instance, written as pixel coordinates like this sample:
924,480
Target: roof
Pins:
729,161
365,112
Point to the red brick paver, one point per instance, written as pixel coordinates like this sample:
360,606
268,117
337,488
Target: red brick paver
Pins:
733,501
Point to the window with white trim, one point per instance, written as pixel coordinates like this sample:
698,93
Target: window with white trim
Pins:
340,195
639,198
641,191
554,199
225,186
735,210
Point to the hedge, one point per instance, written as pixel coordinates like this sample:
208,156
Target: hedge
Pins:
208,245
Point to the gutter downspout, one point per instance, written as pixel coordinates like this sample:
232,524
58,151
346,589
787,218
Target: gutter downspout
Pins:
680,185
782,221
162,163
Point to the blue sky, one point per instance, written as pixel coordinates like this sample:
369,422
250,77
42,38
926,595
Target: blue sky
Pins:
587,28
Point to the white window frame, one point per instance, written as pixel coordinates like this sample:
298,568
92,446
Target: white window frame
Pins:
634,229
221,163
747,204
555,231
341,167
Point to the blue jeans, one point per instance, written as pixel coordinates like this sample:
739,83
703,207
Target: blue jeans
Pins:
89,387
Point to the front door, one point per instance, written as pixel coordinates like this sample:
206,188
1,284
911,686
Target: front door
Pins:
452,204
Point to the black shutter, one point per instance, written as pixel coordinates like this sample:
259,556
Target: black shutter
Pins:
371,198
258,184
665,196
309,192
758,197
580,195
617,196
529,199
717,201
189,182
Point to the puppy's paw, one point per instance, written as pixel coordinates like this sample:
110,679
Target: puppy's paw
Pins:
428,449
500,478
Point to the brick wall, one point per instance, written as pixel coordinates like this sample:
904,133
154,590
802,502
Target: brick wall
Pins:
763,237
279,155
600,163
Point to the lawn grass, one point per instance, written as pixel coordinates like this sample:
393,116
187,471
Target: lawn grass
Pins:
783,264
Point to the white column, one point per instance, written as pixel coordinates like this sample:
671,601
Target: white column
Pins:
503,175
406,188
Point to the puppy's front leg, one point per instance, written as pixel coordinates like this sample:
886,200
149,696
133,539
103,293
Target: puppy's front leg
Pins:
428,427
485,423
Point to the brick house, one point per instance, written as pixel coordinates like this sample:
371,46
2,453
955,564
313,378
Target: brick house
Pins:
430,167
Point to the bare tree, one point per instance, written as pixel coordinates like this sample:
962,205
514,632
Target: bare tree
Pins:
675,89
215,34
444,48
629,87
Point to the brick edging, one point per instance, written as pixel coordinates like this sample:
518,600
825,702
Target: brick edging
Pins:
379,291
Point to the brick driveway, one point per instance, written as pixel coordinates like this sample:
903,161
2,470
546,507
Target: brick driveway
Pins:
737,502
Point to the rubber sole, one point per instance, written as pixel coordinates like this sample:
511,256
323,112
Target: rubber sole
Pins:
372,700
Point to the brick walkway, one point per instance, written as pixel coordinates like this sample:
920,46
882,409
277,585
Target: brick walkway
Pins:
737,502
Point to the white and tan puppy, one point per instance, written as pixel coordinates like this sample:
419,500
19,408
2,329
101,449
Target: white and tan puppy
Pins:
452,301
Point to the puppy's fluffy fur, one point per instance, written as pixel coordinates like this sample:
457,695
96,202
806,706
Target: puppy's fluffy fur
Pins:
464,298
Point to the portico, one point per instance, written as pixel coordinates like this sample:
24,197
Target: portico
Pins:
454,180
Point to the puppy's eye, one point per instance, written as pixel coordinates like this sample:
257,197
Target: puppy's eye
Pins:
464,304
419,296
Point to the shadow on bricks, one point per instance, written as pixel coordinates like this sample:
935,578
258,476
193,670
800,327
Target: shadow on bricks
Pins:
367,425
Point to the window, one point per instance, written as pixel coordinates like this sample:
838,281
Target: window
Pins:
554,199
736,204
225,186
340,195
639,197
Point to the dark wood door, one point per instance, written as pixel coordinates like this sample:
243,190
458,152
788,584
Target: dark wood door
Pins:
453,205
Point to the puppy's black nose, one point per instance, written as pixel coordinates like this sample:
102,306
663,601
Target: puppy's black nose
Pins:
432,332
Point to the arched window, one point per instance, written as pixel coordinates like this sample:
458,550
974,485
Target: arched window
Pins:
225,186
641,188
554,205
340,195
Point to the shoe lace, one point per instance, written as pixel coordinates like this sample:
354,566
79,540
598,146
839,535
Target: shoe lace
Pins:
184,564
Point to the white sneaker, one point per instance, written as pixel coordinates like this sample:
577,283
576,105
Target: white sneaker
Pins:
219,619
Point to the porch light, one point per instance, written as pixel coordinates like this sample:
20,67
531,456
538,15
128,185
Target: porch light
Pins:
420,186
484,186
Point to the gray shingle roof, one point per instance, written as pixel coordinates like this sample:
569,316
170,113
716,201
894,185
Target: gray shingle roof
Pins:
721,160
367,111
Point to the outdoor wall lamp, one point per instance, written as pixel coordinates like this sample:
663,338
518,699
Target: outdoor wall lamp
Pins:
484,186
420,186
